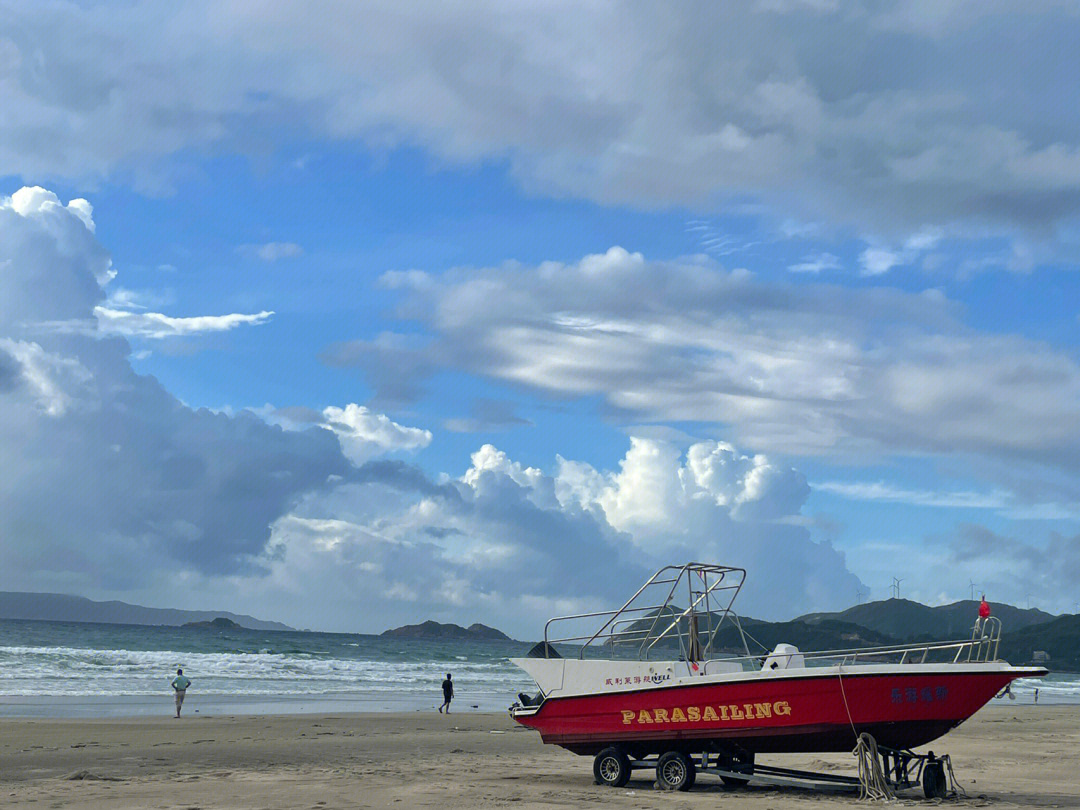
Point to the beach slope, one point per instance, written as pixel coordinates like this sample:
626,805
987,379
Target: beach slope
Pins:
1014,756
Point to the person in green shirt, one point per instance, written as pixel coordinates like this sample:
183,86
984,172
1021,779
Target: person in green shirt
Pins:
180,684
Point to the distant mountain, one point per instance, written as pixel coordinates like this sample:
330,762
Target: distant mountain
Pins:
1060,637
652,621
893,621
58,607
823,634
905,620
434,630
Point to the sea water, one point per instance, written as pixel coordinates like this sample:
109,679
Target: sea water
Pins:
61,669
64,669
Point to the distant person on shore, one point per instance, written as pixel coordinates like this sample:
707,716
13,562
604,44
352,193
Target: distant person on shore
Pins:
1036,695
447,693
180,684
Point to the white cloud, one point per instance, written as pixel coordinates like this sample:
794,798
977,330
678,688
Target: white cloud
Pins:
881,491
272,251
654,491
1006,504
155,325
110,481
815,263
619,103
493,544
50,379
791,368
66,310
364,434
876,260
490,459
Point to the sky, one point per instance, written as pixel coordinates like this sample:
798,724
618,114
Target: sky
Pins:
361,314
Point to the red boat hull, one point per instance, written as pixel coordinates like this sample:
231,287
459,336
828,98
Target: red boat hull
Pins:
773,715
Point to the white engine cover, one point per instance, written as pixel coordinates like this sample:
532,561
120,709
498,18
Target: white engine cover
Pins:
785,656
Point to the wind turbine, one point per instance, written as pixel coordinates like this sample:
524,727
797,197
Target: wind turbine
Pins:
971,584
859,594
895,587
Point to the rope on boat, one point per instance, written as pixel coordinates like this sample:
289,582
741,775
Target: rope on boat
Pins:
872,782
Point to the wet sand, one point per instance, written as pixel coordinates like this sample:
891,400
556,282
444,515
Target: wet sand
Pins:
1006,756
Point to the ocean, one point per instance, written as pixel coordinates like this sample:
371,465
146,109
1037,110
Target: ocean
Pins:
61,669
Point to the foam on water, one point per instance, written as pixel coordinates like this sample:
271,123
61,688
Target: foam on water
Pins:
78,671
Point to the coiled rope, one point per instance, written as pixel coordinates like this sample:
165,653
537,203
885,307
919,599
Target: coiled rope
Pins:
872,782
957,788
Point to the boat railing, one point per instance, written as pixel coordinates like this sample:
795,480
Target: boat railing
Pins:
982,647
710,590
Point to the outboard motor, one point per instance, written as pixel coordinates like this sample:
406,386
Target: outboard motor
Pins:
785,656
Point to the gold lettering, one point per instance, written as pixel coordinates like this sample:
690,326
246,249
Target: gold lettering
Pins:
736,713
694,713
677,715
710,714
782,707
661,715
644,716
763,709
723,713
749,710
627,718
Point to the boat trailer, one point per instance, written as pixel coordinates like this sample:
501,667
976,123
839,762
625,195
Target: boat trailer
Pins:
882,771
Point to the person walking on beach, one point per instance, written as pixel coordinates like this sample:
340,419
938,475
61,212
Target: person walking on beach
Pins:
447,693
1036,695
180,684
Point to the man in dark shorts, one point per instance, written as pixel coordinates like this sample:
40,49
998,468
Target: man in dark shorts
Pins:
447,693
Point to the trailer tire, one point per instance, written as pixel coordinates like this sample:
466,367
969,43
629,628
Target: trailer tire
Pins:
933,780
675,771
611,767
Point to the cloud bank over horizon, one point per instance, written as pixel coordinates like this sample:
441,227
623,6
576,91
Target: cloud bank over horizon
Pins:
495,541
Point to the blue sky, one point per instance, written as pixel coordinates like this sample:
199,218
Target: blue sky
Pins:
669,295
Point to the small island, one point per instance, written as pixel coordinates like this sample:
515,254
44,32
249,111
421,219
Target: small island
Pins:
436,631
220,623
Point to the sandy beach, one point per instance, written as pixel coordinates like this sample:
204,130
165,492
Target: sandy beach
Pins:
1006,756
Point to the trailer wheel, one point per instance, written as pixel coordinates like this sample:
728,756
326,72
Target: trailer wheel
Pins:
611,767
933,780
675,771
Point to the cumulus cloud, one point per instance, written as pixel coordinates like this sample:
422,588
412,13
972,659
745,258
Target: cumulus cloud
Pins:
364,433
495,541
793,368
109,479
747,99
